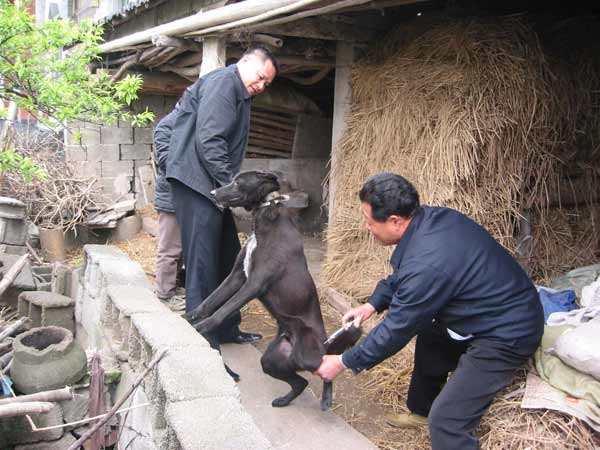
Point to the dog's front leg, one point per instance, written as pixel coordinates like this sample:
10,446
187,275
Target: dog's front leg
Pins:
224,292
247,292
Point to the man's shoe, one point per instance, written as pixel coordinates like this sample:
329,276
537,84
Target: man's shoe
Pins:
242,338
406,420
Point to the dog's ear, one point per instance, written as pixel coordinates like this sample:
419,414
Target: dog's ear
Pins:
269,176
285,186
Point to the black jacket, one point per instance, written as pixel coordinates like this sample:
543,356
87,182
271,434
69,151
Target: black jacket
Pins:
448,268
163,200
210,132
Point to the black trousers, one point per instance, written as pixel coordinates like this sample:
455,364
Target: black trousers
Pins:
210,246
454,406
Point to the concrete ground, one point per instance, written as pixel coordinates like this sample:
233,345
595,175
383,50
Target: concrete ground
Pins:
301,425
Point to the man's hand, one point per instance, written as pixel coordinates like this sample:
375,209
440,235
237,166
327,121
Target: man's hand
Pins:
358,314
330,367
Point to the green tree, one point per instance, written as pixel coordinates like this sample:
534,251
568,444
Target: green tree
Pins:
45,70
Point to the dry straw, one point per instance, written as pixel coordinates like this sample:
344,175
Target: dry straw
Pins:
477,118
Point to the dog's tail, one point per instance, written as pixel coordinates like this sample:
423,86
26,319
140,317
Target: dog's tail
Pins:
343,341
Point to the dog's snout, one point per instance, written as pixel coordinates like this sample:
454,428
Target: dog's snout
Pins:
213,192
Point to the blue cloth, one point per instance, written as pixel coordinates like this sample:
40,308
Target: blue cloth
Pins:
5,384
556,301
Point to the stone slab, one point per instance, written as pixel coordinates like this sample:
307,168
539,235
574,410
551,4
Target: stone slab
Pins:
204,371
230,427
167,331
24,279
134,299
136,151
143,135
117,135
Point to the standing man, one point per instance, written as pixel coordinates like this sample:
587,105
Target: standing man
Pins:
208,144
169,237
474,310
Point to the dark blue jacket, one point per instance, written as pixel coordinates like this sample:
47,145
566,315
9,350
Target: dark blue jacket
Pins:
163,200
448,268
210,132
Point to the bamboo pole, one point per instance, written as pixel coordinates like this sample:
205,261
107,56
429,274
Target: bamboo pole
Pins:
55,395
254,19
22,409
118,404
12,328
11,274
197,21
33,253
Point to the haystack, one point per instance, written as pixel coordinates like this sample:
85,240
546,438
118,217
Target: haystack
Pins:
478,117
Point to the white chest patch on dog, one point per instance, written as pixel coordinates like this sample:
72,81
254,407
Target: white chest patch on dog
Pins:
250,247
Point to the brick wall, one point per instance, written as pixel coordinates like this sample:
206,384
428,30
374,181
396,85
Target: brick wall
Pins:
119,155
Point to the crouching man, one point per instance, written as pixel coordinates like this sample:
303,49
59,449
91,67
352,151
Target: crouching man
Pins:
474,310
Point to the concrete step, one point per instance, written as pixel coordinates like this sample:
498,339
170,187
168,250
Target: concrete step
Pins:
301,425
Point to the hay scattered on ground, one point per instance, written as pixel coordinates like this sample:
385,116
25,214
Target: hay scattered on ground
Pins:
476,116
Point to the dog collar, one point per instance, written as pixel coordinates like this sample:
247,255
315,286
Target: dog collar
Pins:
274,198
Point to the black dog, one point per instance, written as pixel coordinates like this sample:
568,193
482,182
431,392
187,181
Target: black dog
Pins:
272,267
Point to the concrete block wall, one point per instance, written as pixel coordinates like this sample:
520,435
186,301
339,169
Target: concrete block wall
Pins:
118,155
194,403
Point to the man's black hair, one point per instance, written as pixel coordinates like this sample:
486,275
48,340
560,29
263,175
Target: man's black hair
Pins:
389,194
265,53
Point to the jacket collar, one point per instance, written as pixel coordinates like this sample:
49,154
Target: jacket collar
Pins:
240,84
401,247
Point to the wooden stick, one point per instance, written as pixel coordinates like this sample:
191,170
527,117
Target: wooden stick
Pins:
11,274
117,405
55,395
6,359
33,253
202,19
22,409
14,327
89,419
254,19
5,347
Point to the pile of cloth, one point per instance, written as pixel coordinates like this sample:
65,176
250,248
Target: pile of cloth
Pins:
567,364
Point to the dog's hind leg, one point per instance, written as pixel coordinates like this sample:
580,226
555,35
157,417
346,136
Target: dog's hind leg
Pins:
327,397
276,362
213,341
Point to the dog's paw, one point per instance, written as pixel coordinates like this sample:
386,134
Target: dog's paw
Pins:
205,325
326,404
280,402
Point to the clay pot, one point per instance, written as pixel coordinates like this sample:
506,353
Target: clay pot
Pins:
46,358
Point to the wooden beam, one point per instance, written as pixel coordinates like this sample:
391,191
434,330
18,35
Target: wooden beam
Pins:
320,28
200,20
381,4
160,83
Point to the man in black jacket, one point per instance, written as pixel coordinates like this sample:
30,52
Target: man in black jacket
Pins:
474,311
207,146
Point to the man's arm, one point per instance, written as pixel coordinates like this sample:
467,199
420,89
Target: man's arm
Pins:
216,119
381,297
162,137
422,292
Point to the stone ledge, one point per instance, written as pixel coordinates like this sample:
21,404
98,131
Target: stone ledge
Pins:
230,427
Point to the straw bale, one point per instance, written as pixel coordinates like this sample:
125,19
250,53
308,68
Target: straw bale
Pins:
475,114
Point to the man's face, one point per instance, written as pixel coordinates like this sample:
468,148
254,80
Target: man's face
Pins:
256,73
389,232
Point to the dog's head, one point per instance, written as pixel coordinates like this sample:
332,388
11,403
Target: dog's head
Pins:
248,189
